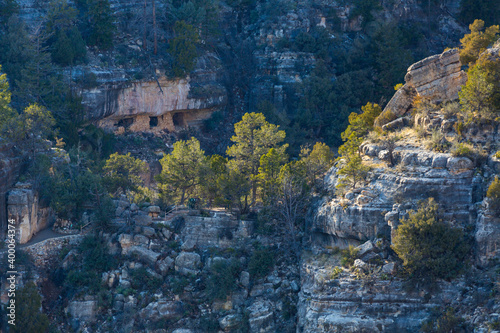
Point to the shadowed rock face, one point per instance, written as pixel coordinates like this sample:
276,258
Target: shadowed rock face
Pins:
141,106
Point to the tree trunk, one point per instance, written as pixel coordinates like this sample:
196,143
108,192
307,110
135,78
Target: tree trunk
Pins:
144,42
154,29
183,196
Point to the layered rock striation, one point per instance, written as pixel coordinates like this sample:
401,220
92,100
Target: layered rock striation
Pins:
437,78
24,209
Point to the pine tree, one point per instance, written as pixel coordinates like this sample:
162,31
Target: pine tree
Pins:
182,169
65,41
6,112
99,26
254,136
183,48
123,172
477,41
30,319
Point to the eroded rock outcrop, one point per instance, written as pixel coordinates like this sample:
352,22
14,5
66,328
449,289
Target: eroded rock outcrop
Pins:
141,106
437,78
23,207
362,213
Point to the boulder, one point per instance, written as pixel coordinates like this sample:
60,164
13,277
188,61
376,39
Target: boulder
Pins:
163,266
170,309
148,231
188,245
140,239
437,78
365,248
389,268
358,263
82,310
125,241
262,289
143,219
188,263
439,161
261,317
230,322
396,124
245,279
166,233
147,256
459,164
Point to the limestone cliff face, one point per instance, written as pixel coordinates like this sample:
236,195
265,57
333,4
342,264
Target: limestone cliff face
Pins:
371,214
147,106
23,207
437,78
372,211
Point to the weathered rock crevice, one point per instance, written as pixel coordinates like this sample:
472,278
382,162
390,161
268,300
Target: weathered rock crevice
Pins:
29,216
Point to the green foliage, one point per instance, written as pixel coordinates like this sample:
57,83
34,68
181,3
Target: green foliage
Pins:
392,54
475,95
6,112
26,59
316,161
95,254
104,213
493,194
235,187
444,322
95,260
438,142
254,136
182,170
261,262
98,25
270,165
123,172
337,270
462,150
316,41
477,41
430,248
66,43
178,283
488,10
142,279
68,47
183,48
7,9
349,255
293,198
67,189
209,323
203,14
319,114
351,168
29,319
385,117
31,129
223,279
359,126
210,186
365,9
497,155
